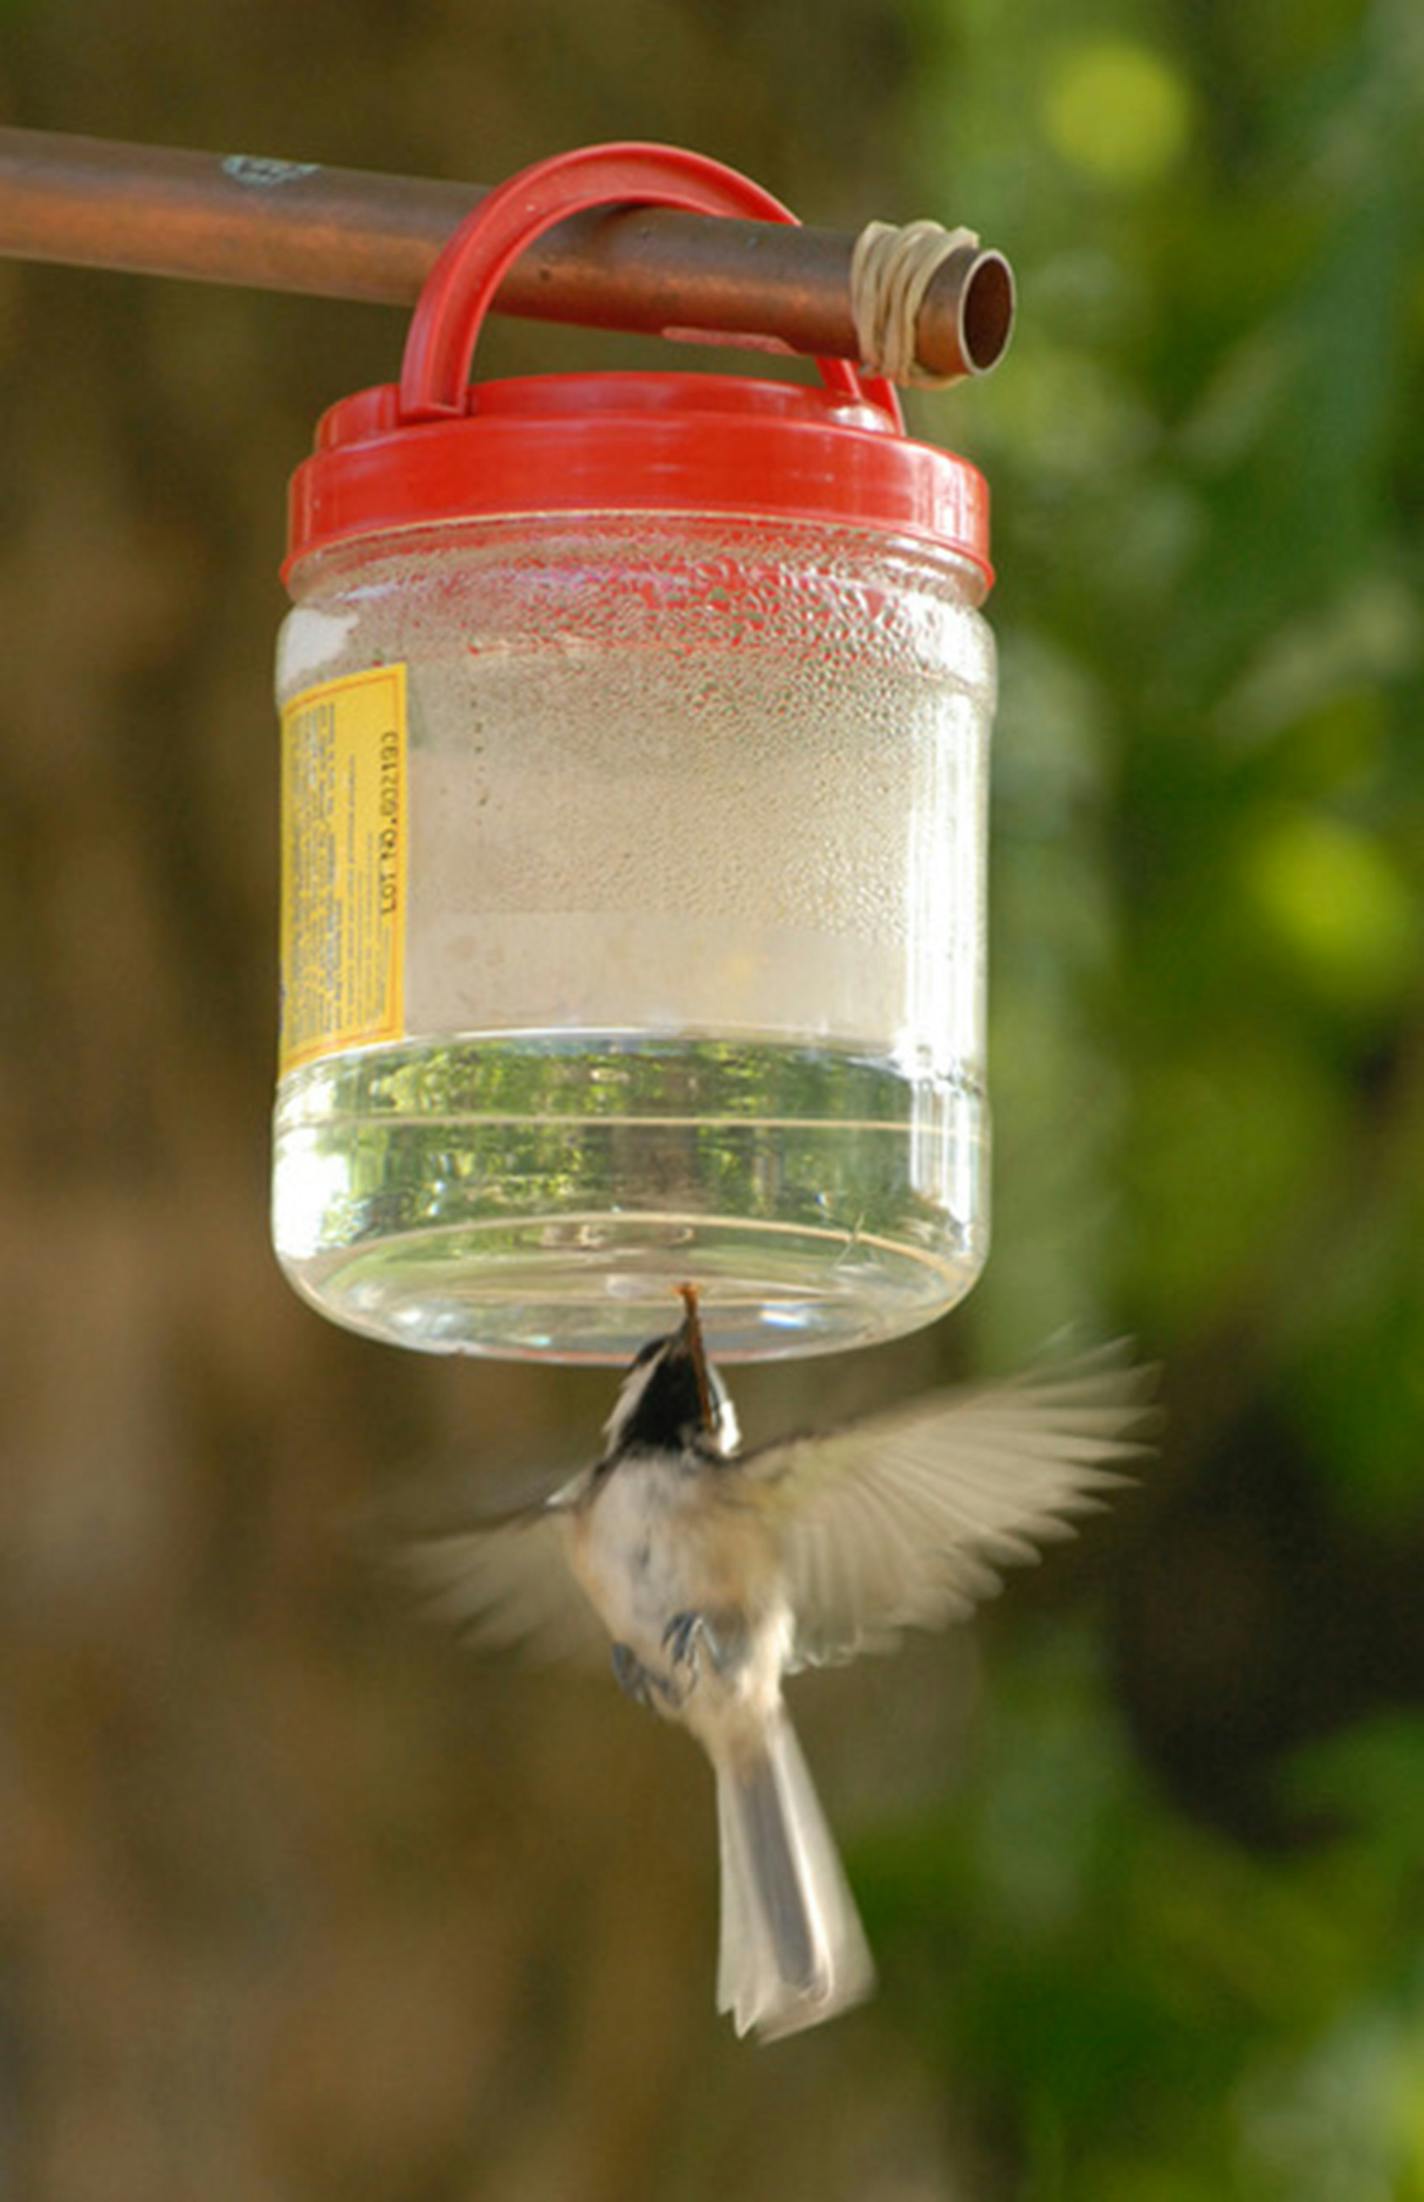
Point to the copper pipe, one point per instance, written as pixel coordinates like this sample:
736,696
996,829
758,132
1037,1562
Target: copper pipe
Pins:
344,233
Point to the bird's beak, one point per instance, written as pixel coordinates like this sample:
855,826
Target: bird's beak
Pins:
697,1353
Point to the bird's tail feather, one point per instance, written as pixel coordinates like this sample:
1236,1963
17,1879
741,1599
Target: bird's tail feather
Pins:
793,1951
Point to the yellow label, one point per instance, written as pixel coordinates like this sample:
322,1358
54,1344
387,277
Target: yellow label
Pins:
343,865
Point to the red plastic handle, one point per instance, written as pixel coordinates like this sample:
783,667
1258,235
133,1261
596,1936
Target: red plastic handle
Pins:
457,294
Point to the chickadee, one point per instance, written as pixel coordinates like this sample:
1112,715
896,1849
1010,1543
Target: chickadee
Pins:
716,1572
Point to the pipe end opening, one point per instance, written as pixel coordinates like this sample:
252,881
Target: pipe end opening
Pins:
986,313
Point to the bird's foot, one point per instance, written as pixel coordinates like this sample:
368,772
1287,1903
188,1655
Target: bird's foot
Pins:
681,1636
637,1681
691,1637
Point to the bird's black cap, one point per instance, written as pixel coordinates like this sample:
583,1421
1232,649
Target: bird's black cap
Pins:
669,1396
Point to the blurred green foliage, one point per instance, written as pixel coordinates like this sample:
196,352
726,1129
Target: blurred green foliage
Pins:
1207,454
1160,2012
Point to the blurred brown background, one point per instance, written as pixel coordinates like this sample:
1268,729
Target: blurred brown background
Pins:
295,1899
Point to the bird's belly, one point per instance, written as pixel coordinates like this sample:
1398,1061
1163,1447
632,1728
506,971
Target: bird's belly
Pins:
658,1543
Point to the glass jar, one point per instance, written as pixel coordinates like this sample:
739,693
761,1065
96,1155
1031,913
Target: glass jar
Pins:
694,944
634,860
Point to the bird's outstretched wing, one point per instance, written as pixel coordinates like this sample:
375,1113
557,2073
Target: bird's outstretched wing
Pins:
507,1587
902,1520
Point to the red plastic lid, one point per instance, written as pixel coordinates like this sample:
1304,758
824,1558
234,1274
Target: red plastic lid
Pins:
435,449
631,443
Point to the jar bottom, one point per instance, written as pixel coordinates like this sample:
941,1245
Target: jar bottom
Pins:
538,1196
